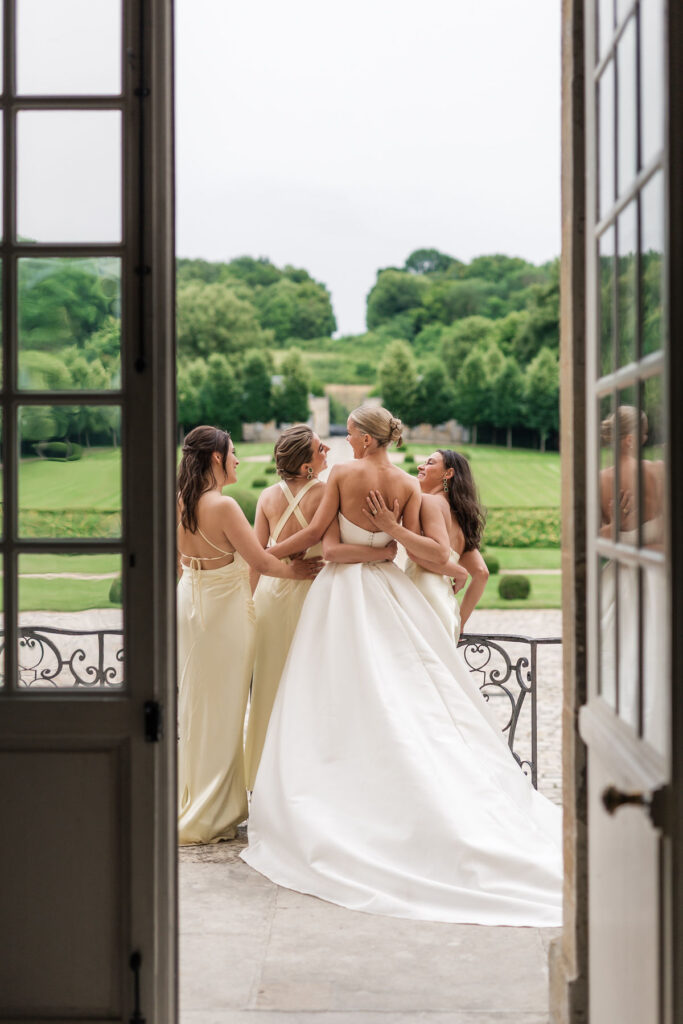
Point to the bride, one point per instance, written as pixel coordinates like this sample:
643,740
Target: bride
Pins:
385,784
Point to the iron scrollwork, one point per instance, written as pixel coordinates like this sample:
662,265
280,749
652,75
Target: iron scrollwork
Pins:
51,658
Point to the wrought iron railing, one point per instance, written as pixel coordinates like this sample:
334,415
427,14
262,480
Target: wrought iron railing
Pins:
504,666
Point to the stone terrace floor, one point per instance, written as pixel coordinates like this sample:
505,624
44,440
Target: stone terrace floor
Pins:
253,953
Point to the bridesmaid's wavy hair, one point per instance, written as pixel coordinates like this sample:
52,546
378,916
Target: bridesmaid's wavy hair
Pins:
195,472
378,423
293,447
463,498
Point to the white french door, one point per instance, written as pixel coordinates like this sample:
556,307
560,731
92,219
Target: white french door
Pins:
87,736
633,420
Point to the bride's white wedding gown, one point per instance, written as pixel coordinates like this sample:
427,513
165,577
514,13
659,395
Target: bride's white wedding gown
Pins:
385,784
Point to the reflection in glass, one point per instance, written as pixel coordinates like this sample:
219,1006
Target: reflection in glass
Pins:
68,47
655,662
627,270
623,7
652,105
605,94
628,643
652,466
607,635
70,623
627,106
652,262
69,471
69,323
606,302
69,175
605,9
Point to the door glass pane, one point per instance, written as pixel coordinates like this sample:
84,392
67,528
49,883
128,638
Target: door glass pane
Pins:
606,300
628,269
627,106
628,669
69,323
629,434
652,262
69,175
655,659
651,78
70,622
606,569
68,47
70,471
652,466
605,9
623,7
605,92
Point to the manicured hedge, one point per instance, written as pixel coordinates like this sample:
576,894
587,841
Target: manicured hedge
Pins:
246,500
522,527
59,451
115,591
492,564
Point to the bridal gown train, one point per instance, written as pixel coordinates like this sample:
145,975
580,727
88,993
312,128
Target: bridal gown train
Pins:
385,784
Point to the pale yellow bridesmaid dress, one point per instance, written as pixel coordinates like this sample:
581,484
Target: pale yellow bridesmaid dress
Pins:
216,627
438,590
278,605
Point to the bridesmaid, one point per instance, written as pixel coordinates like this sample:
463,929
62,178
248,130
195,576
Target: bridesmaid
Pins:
215,636
449,494
282,511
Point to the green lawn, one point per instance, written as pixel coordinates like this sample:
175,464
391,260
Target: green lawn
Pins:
509,477
545,593
91,482
95,564
63,595
526,558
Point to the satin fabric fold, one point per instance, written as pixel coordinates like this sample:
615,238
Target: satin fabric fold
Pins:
438,591
385,784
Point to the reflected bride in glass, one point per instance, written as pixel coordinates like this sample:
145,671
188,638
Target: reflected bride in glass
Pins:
385,784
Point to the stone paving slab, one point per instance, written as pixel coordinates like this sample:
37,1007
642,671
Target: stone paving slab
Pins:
355,1017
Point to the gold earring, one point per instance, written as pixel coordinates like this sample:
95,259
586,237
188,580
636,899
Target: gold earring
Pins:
309,473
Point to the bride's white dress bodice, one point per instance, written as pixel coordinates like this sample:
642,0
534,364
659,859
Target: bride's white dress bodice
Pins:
350,533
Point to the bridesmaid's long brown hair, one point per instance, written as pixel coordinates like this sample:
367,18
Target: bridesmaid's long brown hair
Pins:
463,498
195,473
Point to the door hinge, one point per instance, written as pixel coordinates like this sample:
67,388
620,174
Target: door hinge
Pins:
154,724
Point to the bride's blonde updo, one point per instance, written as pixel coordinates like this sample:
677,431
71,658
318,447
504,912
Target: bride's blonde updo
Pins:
378,423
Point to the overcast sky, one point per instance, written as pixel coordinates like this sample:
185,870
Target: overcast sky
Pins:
341,137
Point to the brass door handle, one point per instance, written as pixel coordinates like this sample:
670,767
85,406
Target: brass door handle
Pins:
613,799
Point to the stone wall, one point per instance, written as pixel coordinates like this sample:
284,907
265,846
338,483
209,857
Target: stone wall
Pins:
442,436
268,433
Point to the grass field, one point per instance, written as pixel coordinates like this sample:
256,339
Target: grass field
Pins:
506,478
509,477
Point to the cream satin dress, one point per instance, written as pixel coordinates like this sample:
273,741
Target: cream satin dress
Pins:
385,783
438,590
278,605
216,626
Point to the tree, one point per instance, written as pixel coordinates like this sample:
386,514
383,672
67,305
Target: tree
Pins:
429,261
394,292
508,404
190,394
222,396
434,399
64,301
398,380
291,396
296,310
257,402
542,394
458,340
473,392
216,318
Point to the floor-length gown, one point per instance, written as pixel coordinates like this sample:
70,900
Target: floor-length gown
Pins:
215,657
438,590
385,784
278,604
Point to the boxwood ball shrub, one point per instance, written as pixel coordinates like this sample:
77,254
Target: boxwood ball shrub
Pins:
270,470
115,591
492,564
259,481
514,588
408,459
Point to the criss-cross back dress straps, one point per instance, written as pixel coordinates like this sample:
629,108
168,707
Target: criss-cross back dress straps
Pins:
292,507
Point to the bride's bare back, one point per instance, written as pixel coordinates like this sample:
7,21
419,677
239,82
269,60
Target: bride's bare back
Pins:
356,479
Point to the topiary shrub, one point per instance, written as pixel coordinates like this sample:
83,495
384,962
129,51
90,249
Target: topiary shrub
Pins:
270,470
259,481
115,591
408,459
492,564
58,451
413,470
245,499
514,588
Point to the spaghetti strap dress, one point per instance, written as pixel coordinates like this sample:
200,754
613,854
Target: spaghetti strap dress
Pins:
215,655
278,605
